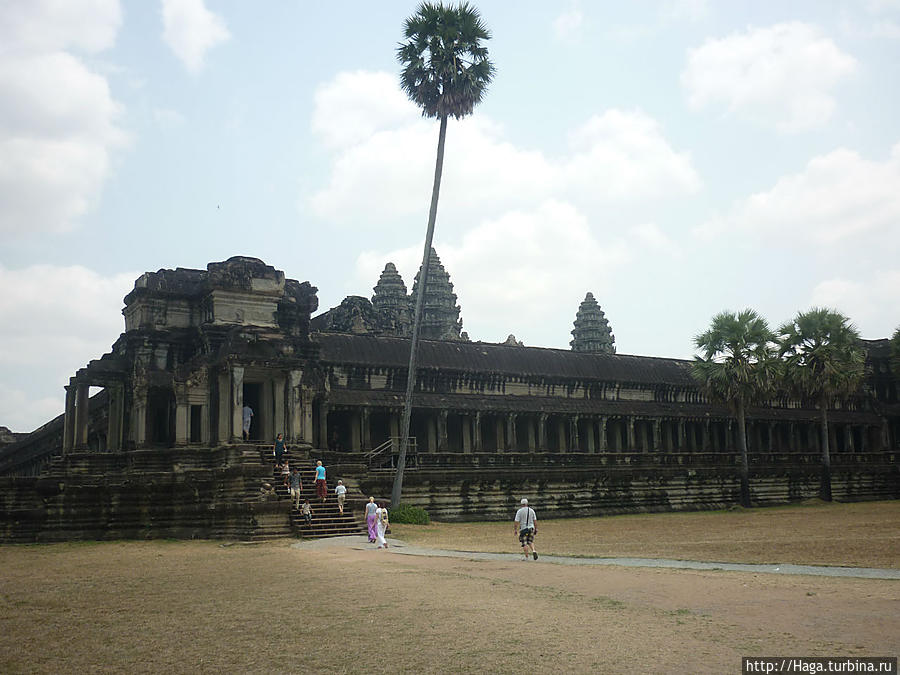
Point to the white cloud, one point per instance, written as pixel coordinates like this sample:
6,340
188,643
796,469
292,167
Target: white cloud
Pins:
55,319
568,26
384,167
837,198
51,25
543,259
191,30
782,76
873,303
58,119
354,106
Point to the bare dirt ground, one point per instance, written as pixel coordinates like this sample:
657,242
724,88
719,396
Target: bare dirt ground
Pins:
205,607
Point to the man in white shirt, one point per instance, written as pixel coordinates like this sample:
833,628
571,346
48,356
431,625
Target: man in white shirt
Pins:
526,527
341,493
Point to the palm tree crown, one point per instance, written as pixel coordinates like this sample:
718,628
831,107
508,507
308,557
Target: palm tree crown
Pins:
736,361
823,354
446,69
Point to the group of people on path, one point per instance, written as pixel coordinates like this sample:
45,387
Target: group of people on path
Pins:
377,522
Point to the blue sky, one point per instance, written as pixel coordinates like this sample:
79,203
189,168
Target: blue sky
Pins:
674,158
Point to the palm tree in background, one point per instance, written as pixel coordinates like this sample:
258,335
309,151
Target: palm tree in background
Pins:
824,360
737,366
445,72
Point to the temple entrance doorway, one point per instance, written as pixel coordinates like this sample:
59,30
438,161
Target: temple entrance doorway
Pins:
161,417
253,398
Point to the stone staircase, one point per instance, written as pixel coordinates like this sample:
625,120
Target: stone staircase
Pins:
181,493
327,521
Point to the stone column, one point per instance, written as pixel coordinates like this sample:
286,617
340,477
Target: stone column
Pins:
442,430
477,439
575,438
657,434
848,438
561,433
69,423
602,438
591,429
279,417
395,425
366,429
139,416
681,435
705,444
511,442
204,425
182,415
82,396
295,424
116,395
773,442
223,407
629,430
532,439
237,402
542,432
466,424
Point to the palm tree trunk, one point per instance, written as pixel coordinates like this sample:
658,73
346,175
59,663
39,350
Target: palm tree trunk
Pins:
397,491
825,488
742,444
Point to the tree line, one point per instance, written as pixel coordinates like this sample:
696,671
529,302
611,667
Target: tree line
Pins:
817,356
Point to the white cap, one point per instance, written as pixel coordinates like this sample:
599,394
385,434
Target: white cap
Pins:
524,501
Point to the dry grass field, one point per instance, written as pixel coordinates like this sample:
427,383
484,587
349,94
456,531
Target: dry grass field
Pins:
206,607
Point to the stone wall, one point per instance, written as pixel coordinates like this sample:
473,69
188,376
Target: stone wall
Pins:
561,486
178,493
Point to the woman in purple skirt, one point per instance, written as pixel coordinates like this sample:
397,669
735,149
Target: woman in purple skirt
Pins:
371,507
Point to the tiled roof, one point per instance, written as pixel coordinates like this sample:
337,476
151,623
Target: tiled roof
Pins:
482,357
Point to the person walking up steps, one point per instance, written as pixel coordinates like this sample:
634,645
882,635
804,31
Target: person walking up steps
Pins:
525,526
321,487
341,493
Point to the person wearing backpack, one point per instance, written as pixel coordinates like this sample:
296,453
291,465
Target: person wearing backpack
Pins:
525,526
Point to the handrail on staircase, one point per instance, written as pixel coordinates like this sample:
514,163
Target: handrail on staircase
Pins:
391,448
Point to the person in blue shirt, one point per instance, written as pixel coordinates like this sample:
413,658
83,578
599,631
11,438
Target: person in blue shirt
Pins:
321,487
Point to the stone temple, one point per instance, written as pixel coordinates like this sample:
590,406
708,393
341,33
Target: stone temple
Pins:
150,441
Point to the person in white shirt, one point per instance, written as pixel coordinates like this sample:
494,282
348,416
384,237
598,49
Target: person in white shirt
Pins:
341,493
525,526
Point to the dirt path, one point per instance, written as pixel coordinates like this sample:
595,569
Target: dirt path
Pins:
203,607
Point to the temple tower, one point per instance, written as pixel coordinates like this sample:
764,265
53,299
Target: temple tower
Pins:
592,332
391,301
440,315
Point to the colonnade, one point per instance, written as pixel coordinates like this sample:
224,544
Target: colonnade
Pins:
365,427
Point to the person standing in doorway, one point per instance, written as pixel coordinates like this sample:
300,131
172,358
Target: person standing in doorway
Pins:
371,508
246,415
525,526
321,487
341,493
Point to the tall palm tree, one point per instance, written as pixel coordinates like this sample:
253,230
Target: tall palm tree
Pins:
737,366
824,360
446,72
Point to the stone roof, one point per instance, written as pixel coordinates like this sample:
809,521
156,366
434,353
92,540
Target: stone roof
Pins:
484,357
